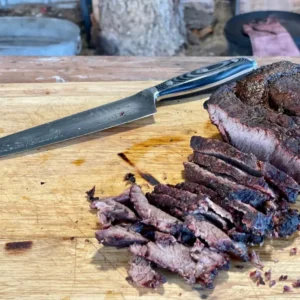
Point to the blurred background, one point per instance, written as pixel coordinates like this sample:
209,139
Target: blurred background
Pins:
149,27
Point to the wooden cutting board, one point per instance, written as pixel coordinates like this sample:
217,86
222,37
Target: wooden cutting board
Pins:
47,244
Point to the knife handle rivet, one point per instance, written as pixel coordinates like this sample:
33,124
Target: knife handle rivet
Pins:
169,83
202,70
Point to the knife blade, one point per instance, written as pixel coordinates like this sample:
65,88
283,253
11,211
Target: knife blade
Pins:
126,110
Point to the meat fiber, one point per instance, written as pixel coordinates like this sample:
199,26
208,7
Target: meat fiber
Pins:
110,211
270,136
142,273
224,187
220,167
119,237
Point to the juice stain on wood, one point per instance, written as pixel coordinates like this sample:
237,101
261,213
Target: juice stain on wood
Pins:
156,142
148,177
18,247
78,162
146,146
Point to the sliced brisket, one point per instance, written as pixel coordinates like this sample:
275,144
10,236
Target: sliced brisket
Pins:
287,186
179,203
197,188
286,221
183,201
173,256
220,167
149,213
214,237
142,273
250,219
279,180
224,187
226,152
119,237
177,258
110,211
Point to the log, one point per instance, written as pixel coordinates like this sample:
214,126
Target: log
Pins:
141,27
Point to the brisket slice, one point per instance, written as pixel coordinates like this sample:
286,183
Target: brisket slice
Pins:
286,220
214,237
287,186
220,167
150,214
142,274
224,187
180,203
253,89
146,230
177,258
183,201
256,130
248,219
110,211
170,205
279,180
119,237
244,161
197,188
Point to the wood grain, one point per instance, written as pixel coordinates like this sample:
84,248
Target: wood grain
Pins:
105,68
59,257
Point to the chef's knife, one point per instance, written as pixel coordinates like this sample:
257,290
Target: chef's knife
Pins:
126,110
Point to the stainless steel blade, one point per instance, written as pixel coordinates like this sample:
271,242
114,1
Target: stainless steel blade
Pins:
103,117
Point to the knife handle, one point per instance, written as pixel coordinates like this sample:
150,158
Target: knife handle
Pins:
205,78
